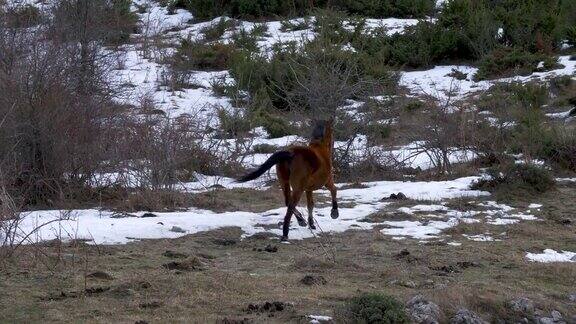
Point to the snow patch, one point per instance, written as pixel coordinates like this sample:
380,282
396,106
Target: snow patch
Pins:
438,83
565,179
422,208
418,230
106,227
315,319
480,238
549,255
503,221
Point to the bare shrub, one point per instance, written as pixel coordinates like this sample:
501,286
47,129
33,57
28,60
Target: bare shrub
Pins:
13,236
23,16
443,134
325,76
92,21
54,114
512,178
62,133
560,148
9,219
164,151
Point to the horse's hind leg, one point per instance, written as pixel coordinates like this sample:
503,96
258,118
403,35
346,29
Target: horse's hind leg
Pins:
296,194
310,202
287,196
283,173
286,225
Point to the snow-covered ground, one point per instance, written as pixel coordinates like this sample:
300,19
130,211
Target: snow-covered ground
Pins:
106,227
103,228
549,255
438,83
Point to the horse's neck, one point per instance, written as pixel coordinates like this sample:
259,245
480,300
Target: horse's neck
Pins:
328,140
327,143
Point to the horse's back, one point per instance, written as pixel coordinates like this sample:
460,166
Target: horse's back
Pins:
307,156
309,168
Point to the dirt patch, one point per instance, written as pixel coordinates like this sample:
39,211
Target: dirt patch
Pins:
88,292
225,241
406,256
151,305
268,248
174,255
100,275
191,264
312,280
267,307
383,216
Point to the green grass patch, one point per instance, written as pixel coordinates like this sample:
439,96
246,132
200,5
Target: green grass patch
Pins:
375,308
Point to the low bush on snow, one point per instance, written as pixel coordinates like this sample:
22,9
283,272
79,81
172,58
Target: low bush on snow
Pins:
525,177
201,56
505,62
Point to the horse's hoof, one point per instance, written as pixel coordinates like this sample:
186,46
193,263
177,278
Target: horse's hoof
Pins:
284,238
334,213
312,226
302,223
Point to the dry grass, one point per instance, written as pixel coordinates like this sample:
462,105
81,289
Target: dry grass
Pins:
481,276
239,199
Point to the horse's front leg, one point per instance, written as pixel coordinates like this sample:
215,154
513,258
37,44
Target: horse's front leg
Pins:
310,202
334,212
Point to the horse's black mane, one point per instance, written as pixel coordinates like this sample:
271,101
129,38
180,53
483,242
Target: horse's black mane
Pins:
318,131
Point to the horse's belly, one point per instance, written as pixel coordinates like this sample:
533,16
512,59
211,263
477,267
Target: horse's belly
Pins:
317,182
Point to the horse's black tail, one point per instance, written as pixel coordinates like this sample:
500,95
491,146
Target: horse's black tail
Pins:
280,156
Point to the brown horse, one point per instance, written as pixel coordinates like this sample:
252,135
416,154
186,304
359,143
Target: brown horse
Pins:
303,169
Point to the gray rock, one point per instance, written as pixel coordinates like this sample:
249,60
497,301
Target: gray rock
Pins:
572,297
407,284
546,320
177,229
464,316
423,311
556,315
556,318
122,215
398,196
522,304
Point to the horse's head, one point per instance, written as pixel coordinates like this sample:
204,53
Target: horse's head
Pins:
322,131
